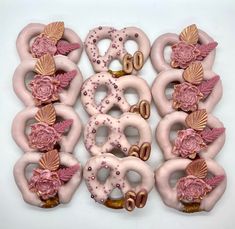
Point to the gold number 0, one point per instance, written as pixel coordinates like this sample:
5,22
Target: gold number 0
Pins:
136,62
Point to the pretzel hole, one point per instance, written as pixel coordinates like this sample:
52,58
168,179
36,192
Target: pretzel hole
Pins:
29,170
116,194
117,152
103,46
28,78
102,135
174,130
174,178
103,174
134,178
131,46
167,53
131,95
170,89
115,112
100,93
115,65
132,135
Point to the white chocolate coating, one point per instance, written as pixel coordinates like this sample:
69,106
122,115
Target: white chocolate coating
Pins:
164,105
34,29
115,96
67,143
169,194
116,137
164,128
117,48
65,192
67,97
157,51
117,178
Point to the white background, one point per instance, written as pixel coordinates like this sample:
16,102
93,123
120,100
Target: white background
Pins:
155,18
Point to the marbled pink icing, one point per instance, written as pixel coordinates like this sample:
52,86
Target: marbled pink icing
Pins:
43,45
191,189
188,142
43,137
44,89
45,183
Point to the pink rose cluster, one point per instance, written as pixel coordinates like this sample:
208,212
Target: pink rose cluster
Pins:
44,89
43,45
188,143
191,189
183,54
43,137
45,183
186,97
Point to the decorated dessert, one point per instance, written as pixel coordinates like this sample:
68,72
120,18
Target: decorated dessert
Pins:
132,196
36,40
199,190
203,135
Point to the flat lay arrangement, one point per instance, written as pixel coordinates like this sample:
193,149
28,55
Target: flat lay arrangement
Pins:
47,130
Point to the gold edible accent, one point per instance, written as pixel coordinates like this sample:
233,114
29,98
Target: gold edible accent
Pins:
191,207
194,73
197,120
190,34
46,114
115,204
51,203
45,65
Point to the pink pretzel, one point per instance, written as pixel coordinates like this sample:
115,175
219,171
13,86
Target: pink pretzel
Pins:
189,96
43,135
117,138
116,49
195,192
132,196
69,44
207,141
192,45
116,88
61,184
52,84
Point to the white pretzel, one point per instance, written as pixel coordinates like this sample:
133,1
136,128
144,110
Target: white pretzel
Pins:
65,192
164,128
164,105
117,177
34,29
169,194
67,143
116,89
116,138
157,51
67,97
117,48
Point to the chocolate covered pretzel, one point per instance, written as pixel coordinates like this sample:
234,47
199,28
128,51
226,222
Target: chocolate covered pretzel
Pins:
204,135
132,196
199,190
192,45
36,40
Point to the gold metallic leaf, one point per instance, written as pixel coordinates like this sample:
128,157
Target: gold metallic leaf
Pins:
197,120
50,160
54,30
46,114
189,34
197,168
45,65
194,73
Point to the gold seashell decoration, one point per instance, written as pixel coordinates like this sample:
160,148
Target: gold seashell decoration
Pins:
45,65
197,120
54,30
50,160
46,114
197,168
190,35
194,73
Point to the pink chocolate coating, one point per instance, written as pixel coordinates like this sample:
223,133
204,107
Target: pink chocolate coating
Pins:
164,128
67,143
34,29
157,51
115,96
67,97
117,48
65,192
117,178
169,194
164,105
116,138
